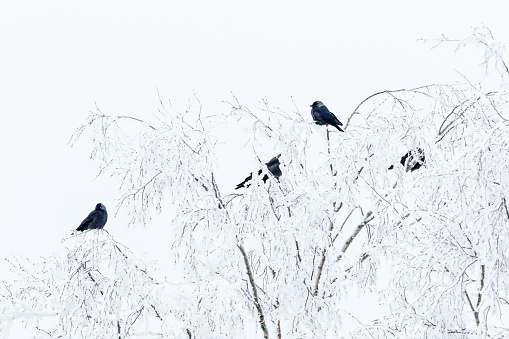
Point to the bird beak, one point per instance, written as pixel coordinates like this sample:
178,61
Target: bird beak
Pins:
310,105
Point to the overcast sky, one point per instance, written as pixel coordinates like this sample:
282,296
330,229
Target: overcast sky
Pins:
58,59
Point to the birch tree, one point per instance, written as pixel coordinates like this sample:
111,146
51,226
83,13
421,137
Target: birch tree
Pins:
286,258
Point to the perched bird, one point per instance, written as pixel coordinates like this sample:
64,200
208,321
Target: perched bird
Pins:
246,183
322,116
96,219
272,165
413,159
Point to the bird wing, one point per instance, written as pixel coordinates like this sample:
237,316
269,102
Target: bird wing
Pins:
329,117
326,114
87,221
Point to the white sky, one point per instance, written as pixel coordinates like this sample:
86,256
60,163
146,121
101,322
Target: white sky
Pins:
59,58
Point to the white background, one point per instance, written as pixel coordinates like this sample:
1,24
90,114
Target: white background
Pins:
60,59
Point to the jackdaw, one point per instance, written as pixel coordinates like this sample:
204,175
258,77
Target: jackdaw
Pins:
246,183
272,165
96,219
322,116
413,159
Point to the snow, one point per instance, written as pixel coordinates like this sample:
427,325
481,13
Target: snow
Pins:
340,247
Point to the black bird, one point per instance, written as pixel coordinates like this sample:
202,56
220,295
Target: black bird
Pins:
246,183
322,116
413,159
272,165
96,219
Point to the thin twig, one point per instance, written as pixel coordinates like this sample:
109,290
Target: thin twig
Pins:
364,256
298,252
221,204
443,132
418,90
505,205
132,118
157,313
470,303
328,149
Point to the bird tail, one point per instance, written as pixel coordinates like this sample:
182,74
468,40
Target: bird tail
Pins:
339,129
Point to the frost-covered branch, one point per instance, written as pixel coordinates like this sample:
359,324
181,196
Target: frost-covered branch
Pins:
319,273
367,219
255,292
320,265
479,296
417,90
